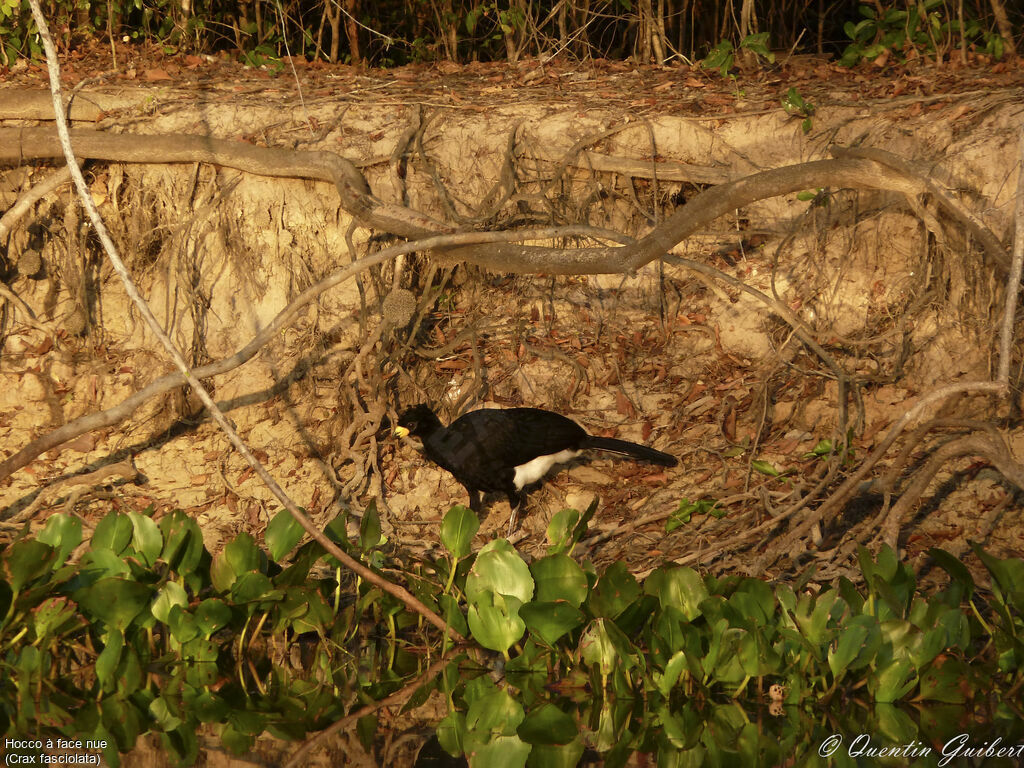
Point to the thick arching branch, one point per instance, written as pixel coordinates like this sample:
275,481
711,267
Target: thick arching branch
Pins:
18,145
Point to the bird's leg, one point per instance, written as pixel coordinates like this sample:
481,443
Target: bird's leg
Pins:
515,501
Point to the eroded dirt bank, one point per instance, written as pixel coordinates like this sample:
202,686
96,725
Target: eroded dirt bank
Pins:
897,295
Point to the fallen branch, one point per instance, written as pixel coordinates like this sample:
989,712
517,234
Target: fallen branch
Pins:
125,470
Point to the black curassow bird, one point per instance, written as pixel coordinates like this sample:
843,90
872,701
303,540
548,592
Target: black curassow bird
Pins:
504,450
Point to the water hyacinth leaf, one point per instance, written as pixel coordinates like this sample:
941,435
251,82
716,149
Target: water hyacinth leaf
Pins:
495,711
497,751
559,577
958,573
605,646
25,561
163,714
170,595
723,661
252,587
494,620
106,662
209,707
458,528
853,638
451,733
222,574
581,527
614,592
1008,574
551,621
115,602
892,681
754,601
182,624
558,755
946,681
817,617
243,554
297,573
283,533
63,533
182,743
756,656
548,725
679,589
183,542
927,645
668,679
369,528
147,541
211,615
560,531
452,613
113,532
239,556
102,563
499,569
236,742
682,729
53,616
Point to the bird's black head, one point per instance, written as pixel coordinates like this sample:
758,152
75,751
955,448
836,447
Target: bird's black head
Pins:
420,420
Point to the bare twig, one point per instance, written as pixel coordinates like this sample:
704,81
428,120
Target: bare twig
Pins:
123,469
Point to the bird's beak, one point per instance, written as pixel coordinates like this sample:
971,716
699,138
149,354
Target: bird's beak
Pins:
401,432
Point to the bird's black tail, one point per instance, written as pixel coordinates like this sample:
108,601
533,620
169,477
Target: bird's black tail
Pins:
627,448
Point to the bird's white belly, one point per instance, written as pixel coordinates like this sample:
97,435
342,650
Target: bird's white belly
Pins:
535,469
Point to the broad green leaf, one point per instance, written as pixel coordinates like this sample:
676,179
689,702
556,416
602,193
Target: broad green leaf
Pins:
116,602
559,577
678,588
494,620
458,528
283,533
614,592
63,533
499,569
25,561
548,725
113,532
170,595
550,621
183,542
147,540
106,662
211,615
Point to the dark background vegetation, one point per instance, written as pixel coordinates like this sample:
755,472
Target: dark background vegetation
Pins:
397,32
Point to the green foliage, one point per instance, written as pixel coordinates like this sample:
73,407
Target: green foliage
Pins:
722,56
796,105
687,509
149,633
923,27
